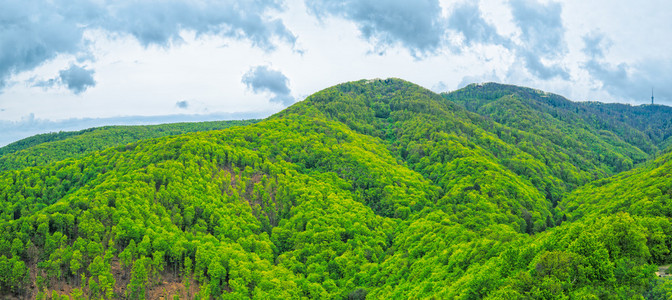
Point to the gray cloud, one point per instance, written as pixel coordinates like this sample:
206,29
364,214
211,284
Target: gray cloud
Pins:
542,36
34,32
77,79
417,26
634,81
468,20
263,79
184,104
45,84
534,64
160,21
628,81
595,44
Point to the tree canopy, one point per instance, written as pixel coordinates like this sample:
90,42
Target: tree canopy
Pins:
370,189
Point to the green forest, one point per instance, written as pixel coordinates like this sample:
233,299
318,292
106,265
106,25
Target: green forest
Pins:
373,189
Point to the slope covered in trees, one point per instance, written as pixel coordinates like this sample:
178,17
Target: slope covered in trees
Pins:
377,189
645,191
50,147
594,128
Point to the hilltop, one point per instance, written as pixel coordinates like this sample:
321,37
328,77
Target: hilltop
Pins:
42,149
374,188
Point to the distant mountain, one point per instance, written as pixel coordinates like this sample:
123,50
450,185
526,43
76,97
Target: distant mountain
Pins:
50,147
375,188
645,127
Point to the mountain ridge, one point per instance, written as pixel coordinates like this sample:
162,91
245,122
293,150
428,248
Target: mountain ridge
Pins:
613,115
44,148
378,189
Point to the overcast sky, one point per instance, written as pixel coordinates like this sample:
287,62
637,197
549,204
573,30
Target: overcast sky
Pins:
73,64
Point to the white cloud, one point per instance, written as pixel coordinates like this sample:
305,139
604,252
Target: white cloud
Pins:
36,31
146,66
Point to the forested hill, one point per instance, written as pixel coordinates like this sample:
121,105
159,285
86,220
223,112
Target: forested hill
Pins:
375,189
647,127
42,149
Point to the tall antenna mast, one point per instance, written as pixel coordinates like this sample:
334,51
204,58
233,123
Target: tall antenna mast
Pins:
651,96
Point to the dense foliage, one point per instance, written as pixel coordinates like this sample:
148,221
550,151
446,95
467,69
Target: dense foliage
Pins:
610,125
50,147
378,189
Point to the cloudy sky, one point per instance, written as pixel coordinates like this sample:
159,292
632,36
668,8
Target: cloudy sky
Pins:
73,64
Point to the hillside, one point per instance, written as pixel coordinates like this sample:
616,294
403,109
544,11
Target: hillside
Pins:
378,189
613,126
645,191
51,147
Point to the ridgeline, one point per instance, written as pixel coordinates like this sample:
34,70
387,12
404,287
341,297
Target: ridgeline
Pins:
375,189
